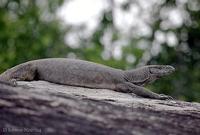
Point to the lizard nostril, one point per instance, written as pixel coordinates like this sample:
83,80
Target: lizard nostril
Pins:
173,69
170,68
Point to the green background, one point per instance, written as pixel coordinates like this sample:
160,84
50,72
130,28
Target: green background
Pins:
26,35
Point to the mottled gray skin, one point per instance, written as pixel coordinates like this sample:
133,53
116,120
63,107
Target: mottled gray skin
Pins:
88,74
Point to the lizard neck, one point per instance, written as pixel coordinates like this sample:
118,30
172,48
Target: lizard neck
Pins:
137,76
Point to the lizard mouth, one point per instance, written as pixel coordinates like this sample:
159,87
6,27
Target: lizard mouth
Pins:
169,69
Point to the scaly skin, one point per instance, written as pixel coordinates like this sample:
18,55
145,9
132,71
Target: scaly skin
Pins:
87,74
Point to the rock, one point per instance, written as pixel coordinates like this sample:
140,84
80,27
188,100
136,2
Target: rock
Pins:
40,107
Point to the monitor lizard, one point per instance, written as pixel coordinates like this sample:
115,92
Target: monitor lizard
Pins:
88,74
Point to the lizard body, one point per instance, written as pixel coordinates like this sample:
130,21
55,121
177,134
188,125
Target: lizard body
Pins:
88,74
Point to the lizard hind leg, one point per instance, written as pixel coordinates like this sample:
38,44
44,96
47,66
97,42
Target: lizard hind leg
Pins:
25,72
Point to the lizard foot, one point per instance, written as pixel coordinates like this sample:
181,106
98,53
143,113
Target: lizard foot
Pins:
13,82
165,97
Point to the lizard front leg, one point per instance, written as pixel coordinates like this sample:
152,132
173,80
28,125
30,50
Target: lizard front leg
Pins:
128,87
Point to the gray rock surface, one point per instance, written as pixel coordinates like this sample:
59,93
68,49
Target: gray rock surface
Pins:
40,107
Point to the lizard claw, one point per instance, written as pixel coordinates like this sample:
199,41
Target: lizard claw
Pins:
165,97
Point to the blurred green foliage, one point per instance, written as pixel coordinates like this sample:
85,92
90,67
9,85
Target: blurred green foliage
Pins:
185,83
25,35
30,30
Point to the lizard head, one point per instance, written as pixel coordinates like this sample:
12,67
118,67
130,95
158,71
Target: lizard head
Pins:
148,74
160,70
